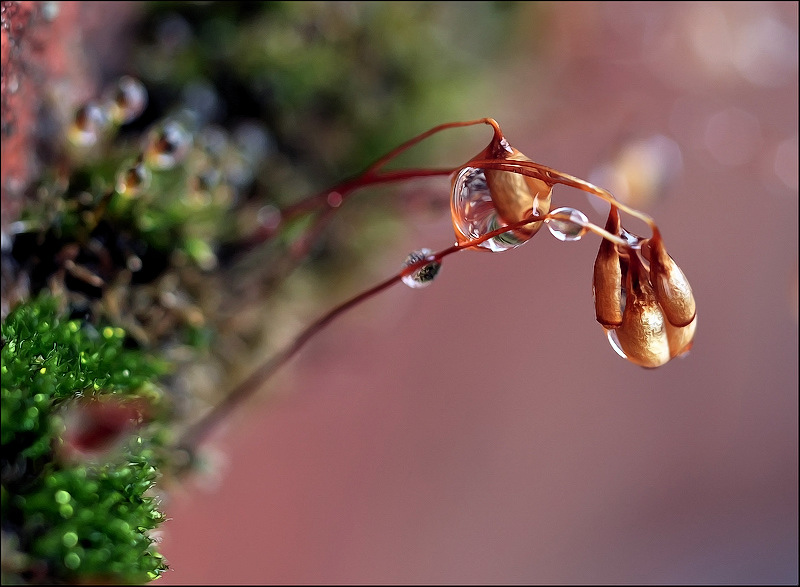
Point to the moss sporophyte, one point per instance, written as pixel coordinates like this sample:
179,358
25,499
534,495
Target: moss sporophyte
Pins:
87,428
68,511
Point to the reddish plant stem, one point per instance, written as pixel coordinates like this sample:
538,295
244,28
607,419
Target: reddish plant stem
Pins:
199,431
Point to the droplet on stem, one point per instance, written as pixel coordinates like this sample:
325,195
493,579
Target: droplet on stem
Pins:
571,228
423,276
474,213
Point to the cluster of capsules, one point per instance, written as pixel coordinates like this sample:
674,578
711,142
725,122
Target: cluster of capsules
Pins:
500,199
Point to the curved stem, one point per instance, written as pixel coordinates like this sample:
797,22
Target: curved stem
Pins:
552,176
199,431
373,176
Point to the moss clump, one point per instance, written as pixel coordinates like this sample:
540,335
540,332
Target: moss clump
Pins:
65,517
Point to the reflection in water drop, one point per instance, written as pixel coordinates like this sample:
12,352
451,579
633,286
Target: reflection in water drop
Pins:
614,342
568,230
474,213
423,276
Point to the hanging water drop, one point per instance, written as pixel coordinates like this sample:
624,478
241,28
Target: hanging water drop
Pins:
423,276
474,212
614,342
570,228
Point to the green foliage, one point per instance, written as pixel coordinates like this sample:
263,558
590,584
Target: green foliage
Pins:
73,517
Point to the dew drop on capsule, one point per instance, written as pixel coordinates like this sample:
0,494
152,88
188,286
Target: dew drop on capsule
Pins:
423,276
570,228
474,213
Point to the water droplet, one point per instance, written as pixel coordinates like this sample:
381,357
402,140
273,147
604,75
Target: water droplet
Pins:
87,126
167,145
127,100
423,276
474,213
132,180
614,342
570,228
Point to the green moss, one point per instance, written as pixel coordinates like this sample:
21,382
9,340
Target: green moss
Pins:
73,517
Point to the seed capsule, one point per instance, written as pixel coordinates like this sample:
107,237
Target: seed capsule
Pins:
516,196
608,278
643,332
671,287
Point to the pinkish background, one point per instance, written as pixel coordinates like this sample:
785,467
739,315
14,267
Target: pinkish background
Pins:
482,430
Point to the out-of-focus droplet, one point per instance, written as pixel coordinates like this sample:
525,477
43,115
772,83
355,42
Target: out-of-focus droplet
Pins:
571,228
641,172
133,180
423,276
167,145
127,100
88,125
474,213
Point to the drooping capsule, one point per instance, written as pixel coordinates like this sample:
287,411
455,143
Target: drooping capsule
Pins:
672,289
424,275
517,196
485,199
607,282
642,335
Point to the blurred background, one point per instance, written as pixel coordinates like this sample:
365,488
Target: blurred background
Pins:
482,430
